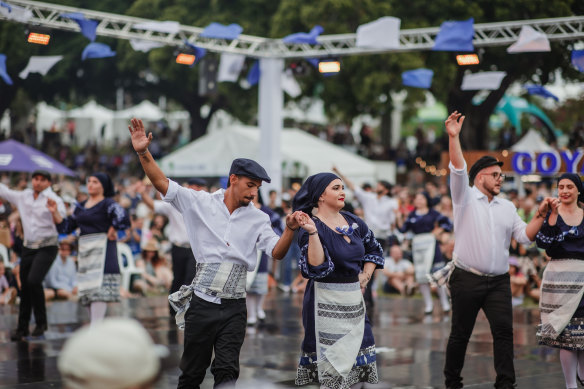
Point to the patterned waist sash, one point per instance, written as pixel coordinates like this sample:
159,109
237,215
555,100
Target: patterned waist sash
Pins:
44,242
223,280
339,327
561,291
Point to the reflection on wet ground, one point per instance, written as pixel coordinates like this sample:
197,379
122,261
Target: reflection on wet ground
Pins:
410,346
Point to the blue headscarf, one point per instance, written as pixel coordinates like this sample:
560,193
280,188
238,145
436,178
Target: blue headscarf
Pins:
307,197
577,181
106,182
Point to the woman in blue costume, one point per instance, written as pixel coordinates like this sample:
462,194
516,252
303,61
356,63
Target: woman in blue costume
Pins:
97,218
338,255
425,249
562,290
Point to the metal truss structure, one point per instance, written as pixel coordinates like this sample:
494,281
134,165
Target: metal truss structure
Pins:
123,27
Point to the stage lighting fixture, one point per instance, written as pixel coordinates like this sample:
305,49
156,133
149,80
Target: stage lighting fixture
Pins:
329,66
185,59
467,59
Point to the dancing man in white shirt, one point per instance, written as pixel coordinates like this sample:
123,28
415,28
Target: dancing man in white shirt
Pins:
484,225
40,248
224,229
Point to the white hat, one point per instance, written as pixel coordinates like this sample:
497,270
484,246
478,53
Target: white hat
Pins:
116,353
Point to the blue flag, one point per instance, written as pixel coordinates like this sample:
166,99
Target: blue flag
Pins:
97,50
3,72
198,51
540,91
88,27
578,59
418,78
5,5
303,37
455,36
253,76
218,30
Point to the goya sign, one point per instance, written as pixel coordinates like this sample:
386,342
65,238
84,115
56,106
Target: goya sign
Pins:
548,162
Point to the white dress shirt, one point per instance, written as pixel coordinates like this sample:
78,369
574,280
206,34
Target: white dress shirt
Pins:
215,234
37,221
378,212
176,230
483,229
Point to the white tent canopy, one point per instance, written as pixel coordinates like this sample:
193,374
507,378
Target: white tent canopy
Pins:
302,155
532,142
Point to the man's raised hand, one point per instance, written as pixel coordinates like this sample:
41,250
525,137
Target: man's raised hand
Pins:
140,141
454,123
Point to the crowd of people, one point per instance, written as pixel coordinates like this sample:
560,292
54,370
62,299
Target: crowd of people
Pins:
197,242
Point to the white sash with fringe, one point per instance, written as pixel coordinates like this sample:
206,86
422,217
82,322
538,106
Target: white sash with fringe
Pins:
339,327
91,261
562,289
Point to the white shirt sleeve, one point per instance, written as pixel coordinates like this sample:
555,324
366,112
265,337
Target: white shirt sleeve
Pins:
362,196
60,204
162,207
9,195
180,197
459,187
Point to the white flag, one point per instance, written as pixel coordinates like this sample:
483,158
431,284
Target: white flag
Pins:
229,67
168,26
382,33
290,85
15,12
483,80
530,41
40,65
144,45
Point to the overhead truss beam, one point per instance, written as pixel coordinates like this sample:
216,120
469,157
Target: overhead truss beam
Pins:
122,27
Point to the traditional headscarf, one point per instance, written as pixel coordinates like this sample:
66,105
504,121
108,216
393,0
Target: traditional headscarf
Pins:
577,181
106,182
307,197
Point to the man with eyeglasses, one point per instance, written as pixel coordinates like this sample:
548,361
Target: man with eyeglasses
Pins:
484,225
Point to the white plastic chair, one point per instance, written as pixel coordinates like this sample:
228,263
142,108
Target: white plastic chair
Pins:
129,268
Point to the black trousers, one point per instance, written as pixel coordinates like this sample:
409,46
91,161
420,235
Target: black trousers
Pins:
184,268
212,327
470,293
34,266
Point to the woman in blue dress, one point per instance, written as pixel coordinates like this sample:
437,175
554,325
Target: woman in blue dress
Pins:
338,255
421,222
561,303
98,219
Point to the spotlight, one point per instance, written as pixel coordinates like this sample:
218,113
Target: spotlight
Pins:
467,59
329,66
38,35
185,59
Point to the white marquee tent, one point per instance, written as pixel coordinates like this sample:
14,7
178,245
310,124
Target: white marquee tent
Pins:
532,142
302,155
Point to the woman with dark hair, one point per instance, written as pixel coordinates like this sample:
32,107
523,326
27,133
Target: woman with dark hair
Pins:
562,291
421,222
339,254
98,218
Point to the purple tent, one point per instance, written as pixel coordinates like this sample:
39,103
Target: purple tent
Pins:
18,157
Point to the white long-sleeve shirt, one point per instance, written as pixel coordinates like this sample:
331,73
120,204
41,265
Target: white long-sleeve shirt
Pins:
483,229
215,234
37,220
378,212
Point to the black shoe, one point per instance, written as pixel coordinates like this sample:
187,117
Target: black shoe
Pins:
18,335
39,330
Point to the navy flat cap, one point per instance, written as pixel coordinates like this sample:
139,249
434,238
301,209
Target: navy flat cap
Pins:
197,181
482,163
248,168
42,173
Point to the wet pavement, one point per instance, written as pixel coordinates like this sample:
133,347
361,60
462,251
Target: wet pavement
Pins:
410,346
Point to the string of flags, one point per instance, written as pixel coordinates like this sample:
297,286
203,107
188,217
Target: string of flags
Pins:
383,33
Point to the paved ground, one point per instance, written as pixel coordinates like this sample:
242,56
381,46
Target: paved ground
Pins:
410,346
